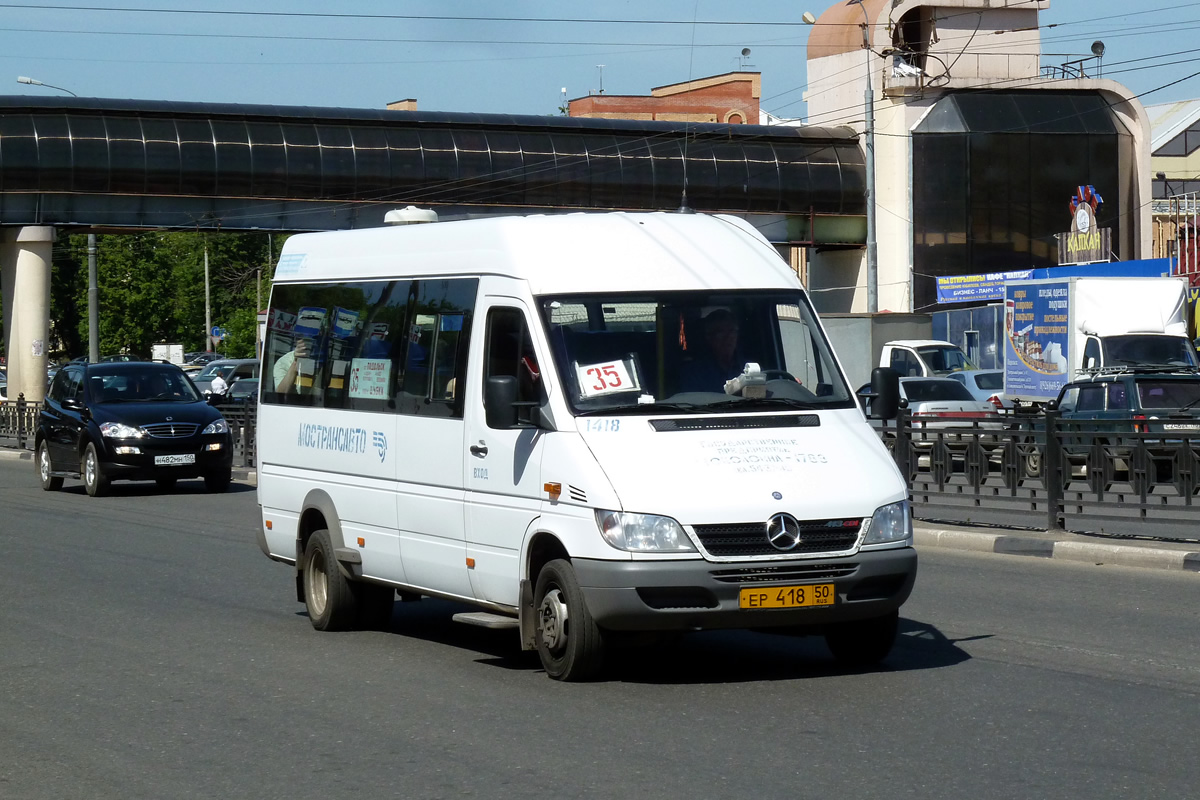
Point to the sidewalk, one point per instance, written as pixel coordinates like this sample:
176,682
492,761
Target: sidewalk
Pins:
1097,550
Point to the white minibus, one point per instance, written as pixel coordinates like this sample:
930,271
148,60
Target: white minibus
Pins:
589,428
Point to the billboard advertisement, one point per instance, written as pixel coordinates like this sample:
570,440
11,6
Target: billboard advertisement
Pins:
1037,338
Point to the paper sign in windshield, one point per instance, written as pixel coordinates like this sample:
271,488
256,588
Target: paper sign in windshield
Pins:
596,380
369,378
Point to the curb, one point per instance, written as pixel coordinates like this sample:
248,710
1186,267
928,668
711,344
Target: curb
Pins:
1048,546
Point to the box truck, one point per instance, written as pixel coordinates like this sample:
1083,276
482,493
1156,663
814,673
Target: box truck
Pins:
1059,329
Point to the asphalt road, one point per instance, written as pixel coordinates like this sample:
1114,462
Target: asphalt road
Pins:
149,650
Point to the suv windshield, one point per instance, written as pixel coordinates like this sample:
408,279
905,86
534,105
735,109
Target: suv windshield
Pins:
682,349
157,385
943,359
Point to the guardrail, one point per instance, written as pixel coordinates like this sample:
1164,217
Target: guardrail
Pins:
18,420
1099,477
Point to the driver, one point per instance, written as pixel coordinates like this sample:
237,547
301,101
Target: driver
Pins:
722,361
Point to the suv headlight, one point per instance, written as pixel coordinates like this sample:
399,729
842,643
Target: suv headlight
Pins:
119,430
891,523
643,533
220,426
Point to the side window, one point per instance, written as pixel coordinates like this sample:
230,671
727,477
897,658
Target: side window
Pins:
389,346
438,337
1091,398
1091,353
1117,401
58,388
73,387
509,352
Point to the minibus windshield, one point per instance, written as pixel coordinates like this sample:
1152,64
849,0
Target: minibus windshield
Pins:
691,351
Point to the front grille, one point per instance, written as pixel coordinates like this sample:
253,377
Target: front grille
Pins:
750,538
805,572
171,430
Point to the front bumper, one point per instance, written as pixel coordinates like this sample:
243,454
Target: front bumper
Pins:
141,467
701,595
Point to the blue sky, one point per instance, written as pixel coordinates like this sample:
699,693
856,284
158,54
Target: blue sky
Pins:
514,57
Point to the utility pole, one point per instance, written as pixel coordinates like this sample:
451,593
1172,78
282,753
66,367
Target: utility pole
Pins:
93,302
207,307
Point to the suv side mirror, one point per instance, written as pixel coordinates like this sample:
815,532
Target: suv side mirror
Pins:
885,386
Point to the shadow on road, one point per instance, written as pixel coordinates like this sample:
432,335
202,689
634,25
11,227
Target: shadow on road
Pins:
148,488
702,657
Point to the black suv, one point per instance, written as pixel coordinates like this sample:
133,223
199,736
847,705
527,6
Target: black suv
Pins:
130,421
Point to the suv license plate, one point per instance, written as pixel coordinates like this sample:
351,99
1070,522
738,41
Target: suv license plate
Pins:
818,594
168,461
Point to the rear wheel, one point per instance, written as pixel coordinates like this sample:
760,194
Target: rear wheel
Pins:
49,482
863,643
94,479
569,642
328,595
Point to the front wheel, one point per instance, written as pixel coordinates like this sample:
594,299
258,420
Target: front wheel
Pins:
569,642
94,479
218,482
49,482
863,643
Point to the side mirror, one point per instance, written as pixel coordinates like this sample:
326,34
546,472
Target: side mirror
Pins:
885,386
499,402
72,404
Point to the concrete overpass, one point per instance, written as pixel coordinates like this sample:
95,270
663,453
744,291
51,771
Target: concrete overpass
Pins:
88,164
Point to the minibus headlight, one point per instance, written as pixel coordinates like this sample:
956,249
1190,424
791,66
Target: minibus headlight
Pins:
643,533
117,430
891,523
220,426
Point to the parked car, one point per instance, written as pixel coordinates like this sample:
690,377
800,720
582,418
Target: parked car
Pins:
130,421
984,384
3,385
119,358
202,358
231,369
244,391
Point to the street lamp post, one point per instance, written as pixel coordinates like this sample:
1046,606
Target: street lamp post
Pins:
36,82
869,146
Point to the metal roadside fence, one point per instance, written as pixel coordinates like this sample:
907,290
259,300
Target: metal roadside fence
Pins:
1112,477
18,421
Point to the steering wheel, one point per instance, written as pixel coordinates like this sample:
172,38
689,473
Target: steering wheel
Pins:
778,374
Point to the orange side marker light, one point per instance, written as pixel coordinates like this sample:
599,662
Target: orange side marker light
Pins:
553,489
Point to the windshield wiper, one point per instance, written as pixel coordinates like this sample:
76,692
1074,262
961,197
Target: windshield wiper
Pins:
768,402
653,408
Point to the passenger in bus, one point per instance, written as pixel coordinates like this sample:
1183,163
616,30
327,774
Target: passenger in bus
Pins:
287,368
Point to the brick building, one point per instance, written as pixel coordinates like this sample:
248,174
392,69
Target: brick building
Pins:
732,97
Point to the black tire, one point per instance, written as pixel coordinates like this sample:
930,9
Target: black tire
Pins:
217,482
49,482
166,484
92,471
864,643
569,642
328,595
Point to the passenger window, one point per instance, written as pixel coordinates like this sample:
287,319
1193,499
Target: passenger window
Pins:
510,353
1117,400
1091,398
1070,399
58,387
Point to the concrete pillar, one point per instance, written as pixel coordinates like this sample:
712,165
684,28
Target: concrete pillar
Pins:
26,257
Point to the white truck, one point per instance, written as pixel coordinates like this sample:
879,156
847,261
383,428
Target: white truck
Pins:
924,358
1059,329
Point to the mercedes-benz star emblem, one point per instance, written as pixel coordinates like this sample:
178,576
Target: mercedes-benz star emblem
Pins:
783,531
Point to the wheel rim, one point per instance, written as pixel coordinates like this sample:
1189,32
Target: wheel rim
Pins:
89,468
44,463
553,615
318,583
